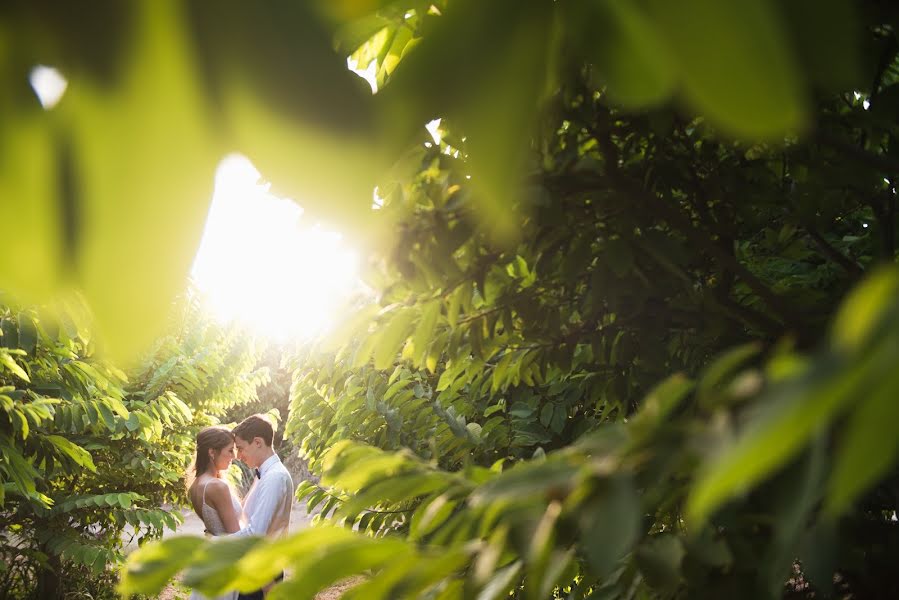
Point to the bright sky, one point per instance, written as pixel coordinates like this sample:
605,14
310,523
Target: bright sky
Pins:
261,263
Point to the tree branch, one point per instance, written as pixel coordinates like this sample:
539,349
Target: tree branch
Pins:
878,162
850,266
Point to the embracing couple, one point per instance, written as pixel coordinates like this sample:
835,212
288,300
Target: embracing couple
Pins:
265,509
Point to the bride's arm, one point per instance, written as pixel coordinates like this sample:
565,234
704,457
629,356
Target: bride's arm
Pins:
219,497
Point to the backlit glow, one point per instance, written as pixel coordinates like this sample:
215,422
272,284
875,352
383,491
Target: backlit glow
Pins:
369,73
262,265
433,128
48,84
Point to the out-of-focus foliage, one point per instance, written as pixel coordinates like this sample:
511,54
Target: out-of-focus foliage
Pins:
618,194
108,188
91,457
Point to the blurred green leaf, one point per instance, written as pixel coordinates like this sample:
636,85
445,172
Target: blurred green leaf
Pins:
609,524
659,559
337,556
150,568
141,211
721,369
492,65
869,448
864,310
392,336
659,403
629,54
785,420
736,64
827,40
215,568
424,331
33,249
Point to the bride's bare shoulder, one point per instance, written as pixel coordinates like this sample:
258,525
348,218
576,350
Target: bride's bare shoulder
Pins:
216,490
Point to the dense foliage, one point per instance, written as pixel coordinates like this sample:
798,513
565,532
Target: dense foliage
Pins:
605,358
92,459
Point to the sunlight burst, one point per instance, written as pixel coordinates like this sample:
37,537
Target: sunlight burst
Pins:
260,264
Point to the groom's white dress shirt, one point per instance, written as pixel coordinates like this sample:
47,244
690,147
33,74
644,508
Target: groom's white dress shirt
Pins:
266,509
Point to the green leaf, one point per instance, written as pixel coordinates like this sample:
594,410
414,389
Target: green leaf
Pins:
215,567
609,524
10,363
559,419
393,490
659,403
329,562
629,54
392,336
106,415
869,448
396,387
431,515
364,350
128,275
494,409
527,480
546,414
354,34
736,66
786,419
78,454
479,49
149,568
27,333
659,560
422,336
455,304
863,311
826,35
23,423
501,583
29,263
715,374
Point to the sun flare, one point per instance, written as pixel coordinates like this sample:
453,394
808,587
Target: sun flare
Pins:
260,263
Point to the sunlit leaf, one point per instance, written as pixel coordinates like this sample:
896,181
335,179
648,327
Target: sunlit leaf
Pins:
424,330
149,568
393,334
790,415
31,261
73,451
140,211
864,310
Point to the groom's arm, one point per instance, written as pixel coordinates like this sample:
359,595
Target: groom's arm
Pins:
268,498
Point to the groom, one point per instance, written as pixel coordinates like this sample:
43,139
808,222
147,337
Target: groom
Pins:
266,508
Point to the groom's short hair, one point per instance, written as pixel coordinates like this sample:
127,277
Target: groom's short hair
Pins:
255,426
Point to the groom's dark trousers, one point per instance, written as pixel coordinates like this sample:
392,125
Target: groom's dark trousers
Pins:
257,595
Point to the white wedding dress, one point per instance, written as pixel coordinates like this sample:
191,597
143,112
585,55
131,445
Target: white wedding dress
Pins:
214,526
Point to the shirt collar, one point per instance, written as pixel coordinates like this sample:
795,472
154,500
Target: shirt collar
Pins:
268,464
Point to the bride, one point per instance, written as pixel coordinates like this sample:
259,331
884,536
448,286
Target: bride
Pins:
210,495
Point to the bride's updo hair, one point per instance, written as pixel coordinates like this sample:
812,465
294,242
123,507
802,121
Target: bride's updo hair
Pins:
216,437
